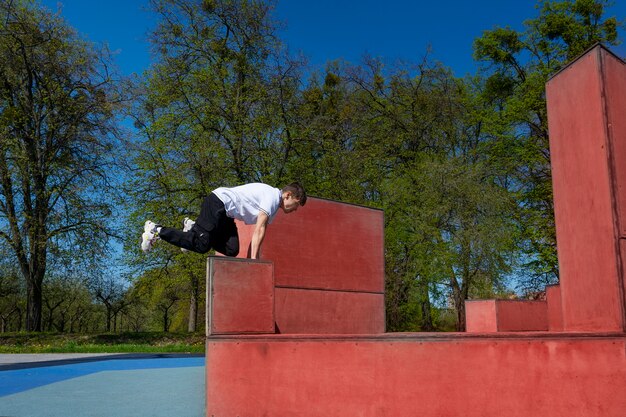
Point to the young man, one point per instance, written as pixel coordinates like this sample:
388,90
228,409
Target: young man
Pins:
215,228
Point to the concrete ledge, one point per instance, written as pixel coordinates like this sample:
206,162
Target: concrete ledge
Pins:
427,375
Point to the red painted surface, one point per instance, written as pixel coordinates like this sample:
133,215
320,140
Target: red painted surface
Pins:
245,232
522,315
329,312
480,316
240,296
614,74
417,375
584,200
327,245
555,312
347,237
622,245
484,316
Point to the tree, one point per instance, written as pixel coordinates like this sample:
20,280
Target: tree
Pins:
448,229
57,127
67,301
114,296
517,66
11,296
215,109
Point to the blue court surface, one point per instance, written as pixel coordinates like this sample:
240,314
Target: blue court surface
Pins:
105,386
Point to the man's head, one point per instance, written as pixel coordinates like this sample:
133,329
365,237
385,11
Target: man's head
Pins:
294,196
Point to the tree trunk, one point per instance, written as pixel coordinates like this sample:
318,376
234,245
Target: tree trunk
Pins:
193,307
109,314
460,315
33,305
166,325
460,295
427,318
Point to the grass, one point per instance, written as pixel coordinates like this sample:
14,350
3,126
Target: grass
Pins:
144,342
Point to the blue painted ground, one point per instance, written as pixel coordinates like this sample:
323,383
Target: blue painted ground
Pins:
163,386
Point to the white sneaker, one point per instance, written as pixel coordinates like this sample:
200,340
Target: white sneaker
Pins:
149,236
187,225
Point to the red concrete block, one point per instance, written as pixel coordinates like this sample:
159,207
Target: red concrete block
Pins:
555,312
522,315
328,245
240,296
480,316
583,135
416,375
329,312
484,316
325,245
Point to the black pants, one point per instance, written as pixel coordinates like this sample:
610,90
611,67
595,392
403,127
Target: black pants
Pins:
213,230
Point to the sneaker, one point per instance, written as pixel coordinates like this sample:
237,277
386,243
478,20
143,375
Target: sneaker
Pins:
149,236
187,225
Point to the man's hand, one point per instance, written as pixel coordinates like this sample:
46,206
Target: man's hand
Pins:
258,235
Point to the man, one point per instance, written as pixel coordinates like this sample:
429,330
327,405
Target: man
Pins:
215,228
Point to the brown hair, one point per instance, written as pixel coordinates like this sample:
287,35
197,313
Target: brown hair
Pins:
297,190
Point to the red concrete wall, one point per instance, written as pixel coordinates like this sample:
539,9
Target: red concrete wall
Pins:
585,182
328,245
485,316
329,312
522,315
240,296
555,311
245,232
324,245
408,375
615,93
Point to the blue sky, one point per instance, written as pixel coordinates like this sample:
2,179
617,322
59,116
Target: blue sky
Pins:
325,30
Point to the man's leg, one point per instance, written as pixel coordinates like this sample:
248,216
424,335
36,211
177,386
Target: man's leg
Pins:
196,239
225,238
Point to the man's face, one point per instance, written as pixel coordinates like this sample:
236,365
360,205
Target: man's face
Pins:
290,203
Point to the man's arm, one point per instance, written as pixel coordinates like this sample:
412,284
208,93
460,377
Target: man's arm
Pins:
258,235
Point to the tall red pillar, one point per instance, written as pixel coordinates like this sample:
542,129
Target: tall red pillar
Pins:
587,125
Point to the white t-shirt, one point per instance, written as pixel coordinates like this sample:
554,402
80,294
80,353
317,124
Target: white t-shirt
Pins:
246,201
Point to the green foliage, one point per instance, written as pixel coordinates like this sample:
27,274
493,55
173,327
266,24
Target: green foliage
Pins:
58,103
512,99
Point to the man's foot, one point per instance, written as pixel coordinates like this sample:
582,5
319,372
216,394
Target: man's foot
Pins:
187,225
149,236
